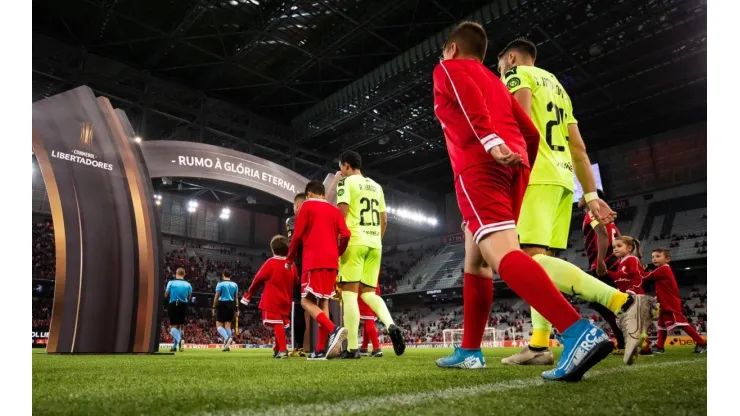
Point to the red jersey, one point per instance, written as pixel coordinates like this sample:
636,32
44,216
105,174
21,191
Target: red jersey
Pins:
592,243
278,280
321,229
477,112
666,289
629,275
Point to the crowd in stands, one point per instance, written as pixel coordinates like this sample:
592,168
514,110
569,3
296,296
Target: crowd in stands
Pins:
43,252
200,328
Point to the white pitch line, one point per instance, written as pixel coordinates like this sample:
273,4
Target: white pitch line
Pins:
358,405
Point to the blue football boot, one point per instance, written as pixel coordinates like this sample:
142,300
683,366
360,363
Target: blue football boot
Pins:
584,345
462,358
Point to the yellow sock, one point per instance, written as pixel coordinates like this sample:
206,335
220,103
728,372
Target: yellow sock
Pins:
617,300
568,278
541,329
351,318
377,304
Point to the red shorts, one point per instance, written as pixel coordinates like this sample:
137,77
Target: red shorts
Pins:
669,320
490,196
272,318
319,282
366,313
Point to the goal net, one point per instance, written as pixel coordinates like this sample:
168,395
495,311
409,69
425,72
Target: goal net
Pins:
492,337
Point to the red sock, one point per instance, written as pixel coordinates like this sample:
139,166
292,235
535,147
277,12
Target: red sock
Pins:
477,300
372,334
325,322
530,281
280,337
321,338
691,331
662,335
365,335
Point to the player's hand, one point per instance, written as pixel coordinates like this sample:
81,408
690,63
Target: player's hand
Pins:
600,268
601,211
505,156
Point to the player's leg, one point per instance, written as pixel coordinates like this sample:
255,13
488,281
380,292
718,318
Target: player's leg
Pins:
369,282
280,341
372,334
365,338
680,321
477,300
307,333
351,265
584,344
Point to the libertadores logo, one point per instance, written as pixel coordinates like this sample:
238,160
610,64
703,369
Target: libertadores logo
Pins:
86,134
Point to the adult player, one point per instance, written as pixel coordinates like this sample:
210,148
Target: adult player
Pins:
224,307
362,202
598,239
178,291
546,209
492,144
301,326
322,232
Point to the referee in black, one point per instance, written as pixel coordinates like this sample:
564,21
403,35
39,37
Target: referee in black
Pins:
300,326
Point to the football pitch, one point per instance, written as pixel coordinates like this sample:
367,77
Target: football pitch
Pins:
250,382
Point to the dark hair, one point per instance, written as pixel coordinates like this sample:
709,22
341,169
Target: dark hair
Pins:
180,272
226,273
632,242
315,187
279,245
663,251
298,196
352,158
470,38
521,44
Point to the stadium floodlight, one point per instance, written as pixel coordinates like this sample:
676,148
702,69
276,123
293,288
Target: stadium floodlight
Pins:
225,214
192,206
234,2
158,199
255,2
137,139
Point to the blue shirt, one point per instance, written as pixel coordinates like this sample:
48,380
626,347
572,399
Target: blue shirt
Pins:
180,290
227,289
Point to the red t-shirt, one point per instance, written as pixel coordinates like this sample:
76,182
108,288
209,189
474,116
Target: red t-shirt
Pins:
477,112
321,229
278,280
666,288
629,275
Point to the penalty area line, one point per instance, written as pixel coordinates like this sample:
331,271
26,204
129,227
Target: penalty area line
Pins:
358,405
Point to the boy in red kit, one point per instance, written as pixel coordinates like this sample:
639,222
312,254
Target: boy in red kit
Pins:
492,145
671,315
370,332
276,298
321,230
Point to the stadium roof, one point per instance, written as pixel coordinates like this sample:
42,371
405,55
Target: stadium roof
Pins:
299,81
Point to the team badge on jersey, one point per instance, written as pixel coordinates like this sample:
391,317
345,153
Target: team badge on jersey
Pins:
340,192
513,83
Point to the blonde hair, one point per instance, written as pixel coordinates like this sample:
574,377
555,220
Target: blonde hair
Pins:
632,242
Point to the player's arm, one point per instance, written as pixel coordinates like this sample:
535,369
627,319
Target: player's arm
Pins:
299,229
219,287
529,131
460,87
259,279
167,290
519,83
344,232
383,214
602,245
344,196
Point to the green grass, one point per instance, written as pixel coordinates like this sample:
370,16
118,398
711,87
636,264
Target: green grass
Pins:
246,382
